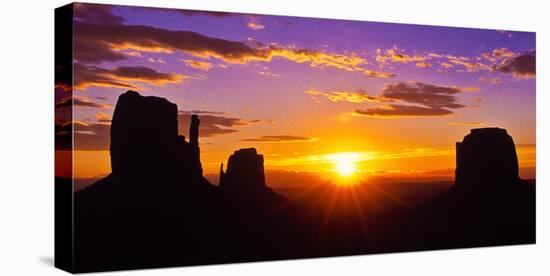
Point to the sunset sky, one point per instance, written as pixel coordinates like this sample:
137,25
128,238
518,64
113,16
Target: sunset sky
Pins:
304,92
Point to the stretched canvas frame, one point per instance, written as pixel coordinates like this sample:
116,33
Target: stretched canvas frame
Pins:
149,177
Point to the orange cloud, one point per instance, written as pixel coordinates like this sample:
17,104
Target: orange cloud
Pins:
351,62
498,54
255,26
80,101
63,87
103,117
345,96
134,54
478,100
206,13
423,65
158,60
269,74
281,139
378,74
120,77
396,55
494,80
199,65
472,124
469,89
402,111
467,63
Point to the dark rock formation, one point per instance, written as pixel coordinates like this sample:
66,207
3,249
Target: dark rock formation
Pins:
486,159
245,172
194,130
245,179
489,204
194,149
156,209
144,131
145,141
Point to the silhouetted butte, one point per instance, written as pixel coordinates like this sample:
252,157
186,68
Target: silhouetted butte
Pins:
245,179
156,209
489,203
486,160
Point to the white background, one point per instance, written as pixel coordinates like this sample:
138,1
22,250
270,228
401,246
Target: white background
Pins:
26,136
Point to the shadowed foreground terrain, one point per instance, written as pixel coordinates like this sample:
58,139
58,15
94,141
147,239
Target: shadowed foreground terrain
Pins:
156,209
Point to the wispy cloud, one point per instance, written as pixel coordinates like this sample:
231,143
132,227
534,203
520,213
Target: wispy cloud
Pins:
503,60
469,89
378,74
80,101
498,54
346,96
522,66
423,64
468,64
471,124
87,137
268,74
397,55
206,13
212,123
492,80
415,99
157,60
255,26
120,77
197,64
208,112
102,117
281,139
402,111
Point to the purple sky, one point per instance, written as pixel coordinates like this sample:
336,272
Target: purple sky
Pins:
297,88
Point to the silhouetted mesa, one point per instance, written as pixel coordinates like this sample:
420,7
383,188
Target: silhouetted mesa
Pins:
489,204
145,141
245,172
156,209
143,132
486,158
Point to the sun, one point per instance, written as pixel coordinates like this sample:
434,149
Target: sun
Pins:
344,163
345,168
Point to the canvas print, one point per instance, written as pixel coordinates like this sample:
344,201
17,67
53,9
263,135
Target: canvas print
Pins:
190,137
